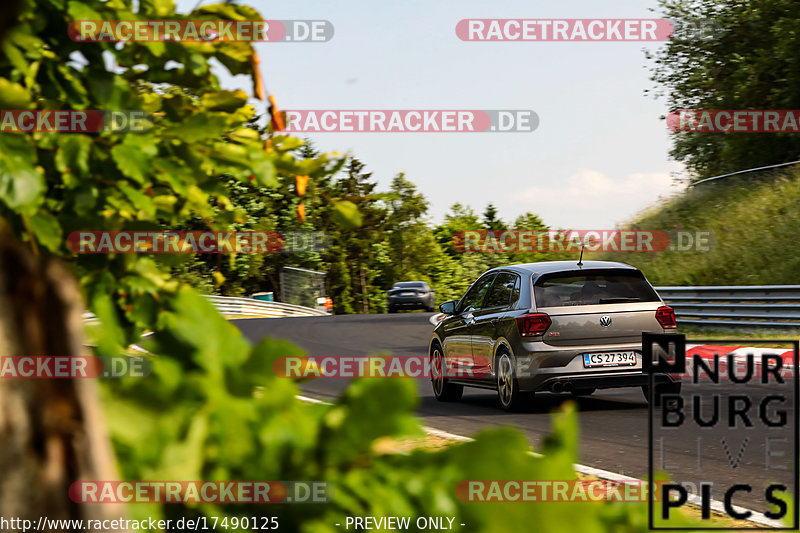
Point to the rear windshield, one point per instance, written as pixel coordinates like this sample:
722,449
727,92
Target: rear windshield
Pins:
593,288
409,285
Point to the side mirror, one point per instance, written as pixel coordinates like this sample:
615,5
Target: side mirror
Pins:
448,307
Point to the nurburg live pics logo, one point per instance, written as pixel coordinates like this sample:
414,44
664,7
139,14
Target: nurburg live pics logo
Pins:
732,420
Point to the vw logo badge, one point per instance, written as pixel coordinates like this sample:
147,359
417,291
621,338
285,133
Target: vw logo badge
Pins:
605,321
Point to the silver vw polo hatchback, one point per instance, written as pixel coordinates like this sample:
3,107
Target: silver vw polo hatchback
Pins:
557,326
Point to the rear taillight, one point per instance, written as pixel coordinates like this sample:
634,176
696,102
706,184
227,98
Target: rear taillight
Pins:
533,324
666,317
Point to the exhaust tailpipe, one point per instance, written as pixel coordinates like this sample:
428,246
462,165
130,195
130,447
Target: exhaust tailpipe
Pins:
557,387
568,386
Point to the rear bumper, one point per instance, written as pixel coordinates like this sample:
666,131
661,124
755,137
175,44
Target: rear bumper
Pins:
595,381
407,302
541,366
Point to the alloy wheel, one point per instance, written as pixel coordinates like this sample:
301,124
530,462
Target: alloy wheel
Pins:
437,375
505,380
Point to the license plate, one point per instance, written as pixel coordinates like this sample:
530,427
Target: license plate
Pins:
591,360
406,294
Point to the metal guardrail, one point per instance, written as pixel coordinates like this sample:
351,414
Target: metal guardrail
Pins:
753,306
776,306
230,306
249,307
745,171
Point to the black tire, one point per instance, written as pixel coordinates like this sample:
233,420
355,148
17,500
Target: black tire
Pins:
661,389
392,309
430,309
442,389
509,395
583,392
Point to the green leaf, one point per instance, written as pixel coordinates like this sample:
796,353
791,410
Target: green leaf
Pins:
157,48
198,324
347,214
247,163
133,156
165,202
386,403
235,56
174,173
230,11
112,92
182,459
143,203
285,143
85,198
227,101
13,95
22,184
26,42
200,126
160,8
46,229
245,135
14,56
81,11
263,169
73,154
109,336
72,86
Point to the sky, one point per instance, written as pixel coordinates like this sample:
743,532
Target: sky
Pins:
598,156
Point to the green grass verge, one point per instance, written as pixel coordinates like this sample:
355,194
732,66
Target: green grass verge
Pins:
754,220
712,333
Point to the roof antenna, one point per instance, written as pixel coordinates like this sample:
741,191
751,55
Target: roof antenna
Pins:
580,260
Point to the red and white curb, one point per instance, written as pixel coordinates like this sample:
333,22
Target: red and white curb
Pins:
740,358
716,506
707,350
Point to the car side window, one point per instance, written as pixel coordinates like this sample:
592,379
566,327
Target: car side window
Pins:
476,293
501,291
517,288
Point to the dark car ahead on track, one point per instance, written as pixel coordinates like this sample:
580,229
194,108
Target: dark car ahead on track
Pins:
410,295
554,326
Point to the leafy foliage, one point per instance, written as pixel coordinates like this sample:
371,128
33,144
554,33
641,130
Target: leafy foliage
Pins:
200,420
199,141
213,408
753,244
391,240
747,60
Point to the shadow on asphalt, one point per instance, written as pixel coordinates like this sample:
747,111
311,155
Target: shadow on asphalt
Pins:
543,403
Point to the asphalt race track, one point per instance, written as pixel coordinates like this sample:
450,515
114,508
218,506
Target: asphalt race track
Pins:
613,423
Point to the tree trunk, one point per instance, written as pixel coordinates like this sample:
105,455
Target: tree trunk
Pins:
52,430
365,297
